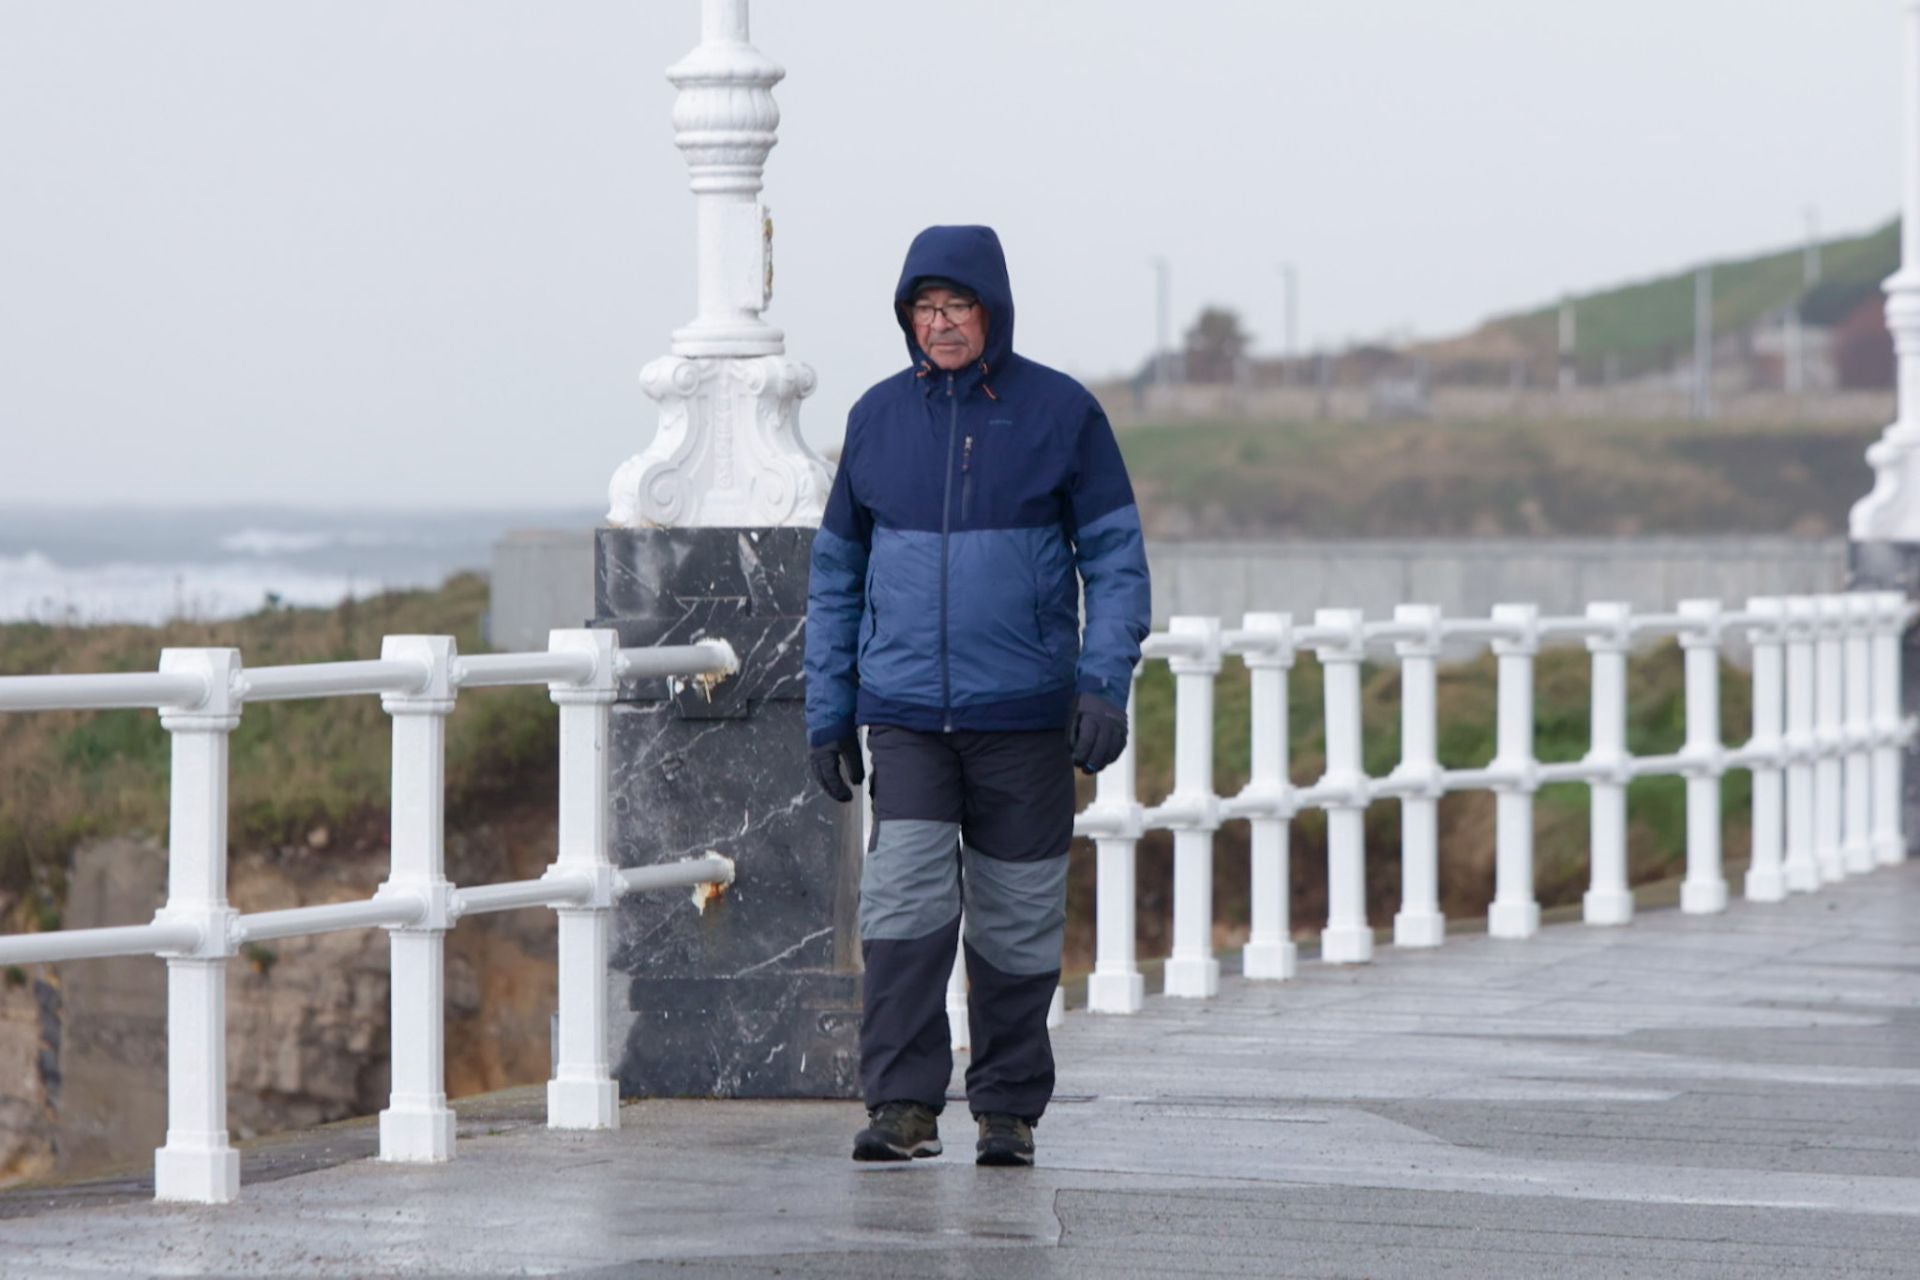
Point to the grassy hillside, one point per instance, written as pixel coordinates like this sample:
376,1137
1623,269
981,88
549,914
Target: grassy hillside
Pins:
1433,479
1644,323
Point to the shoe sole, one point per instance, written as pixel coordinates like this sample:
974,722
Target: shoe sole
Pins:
1000,1158
873,1149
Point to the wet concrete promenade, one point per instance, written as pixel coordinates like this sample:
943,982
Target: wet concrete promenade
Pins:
1726,1096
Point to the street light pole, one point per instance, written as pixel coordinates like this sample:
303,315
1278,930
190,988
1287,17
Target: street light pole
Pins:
1162,337
1290,282
1568,372
1703,343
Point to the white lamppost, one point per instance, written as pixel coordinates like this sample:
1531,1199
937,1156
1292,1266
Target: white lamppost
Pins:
728,452
712,537
1891,512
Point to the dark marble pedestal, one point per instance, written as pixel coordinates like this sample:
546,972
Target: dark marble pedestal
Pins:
759,996
1895,566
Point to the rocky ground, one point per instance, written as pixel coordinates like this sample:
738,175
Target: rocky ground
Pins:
83,1044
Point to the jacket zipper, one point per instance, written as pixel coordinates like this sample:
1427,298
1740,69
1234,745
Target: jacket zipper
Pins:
946,528
966,480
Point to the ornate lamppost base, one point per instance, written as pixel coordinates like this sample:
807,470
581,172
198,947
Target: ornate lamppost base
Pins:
756,994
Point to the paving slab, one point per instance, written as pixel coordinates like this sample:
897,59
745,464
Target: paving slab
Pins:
1726,1096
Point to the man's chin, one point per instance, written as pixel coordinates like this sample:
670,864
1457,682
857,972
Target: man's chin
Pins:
950,359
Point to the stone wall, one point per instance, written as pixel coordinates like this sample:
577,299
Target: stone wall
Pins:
1222,402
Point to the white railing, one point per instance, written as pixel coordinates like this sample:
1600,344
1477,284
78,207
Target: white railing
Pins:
201,694
1825,753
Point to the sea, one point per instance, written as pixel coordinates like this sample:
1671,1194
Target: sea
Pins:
81,566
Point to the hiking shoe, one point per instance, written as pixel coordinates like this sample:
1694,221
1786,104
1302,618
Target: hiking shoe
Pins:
1004,1140
898,1131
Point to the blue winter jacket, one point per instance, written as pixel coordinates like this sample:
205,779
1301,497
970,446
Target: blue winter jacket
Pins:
968,510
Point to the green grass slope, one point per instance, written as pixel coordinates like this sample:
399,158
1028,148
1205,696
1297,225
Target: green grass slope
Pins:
1448,479
296,767
1644,323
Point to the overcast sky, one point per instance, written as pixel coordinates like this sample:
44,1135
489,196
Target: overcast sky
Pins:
416,251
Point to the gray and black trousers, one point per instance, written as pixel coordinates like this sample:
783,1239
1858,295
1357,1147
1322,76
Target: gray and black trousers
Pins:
972,823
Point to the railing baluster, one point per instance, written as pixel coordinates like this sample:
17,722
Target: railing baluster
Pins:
1766,881
1608,899
1889,842
959,1026
1270,951
1192,970
582,1093
1802,869
1419,922
1829,740
197,1163
1515,913
417,1124
1856,845
1347,939
1704,890
1114,820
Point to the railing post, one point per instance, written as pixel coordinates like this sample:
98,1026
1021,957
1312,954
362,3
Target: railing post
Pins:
1856,846
1829,735
582,1093
1115,822
1802,870
1347,939
1704,891
417,1124
1889,842
1192,969
1419,922
197,1164
1270,952
1515,913
1766,881
959,1025
1608,899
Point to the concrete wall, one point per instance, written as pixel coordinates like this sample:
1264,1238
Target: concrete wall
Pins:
1466,577
541,579
544,578
1196,402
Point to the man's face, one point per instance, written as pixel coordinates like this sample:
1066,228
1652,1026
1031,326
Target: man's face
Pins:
949,343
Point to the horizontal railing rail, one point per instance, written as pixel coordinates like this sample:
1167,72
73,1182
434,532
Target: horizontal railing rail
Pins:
201,695
1824,751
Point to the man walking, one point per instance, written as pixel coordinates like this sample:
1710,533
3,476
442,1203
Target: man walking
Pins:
978,492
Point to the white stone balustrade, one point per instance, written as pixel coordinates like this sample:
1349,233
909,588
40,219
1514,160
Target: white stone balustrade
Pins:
1817,722
1825,751
201,695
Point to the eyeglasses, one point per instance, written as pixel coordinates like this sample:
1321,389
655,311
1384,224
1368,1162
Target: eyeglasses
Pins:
956,310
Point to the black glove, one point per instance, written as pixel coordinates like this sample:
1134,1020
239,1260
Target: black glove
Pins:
826,767
1098,734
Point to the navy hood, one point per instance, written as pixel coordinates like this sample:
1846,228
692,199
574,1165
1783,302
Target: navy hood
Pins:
965,255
